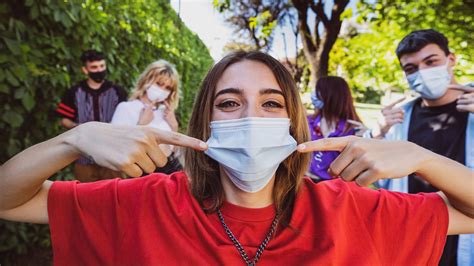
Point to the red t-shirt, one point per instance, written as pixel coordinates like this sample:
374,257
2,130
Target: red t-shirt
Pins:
154,220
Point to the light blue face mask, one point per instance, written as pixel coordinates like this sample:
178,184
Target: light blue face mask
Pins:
317,103
431,83
250,149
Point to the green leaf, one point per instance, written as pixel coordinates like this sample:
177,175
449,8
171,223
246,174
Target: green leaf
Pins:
12,118
253,22
3,58
34,12
4,88
57,15
11,79
347,13
12,149
13,46
19,93
20,72
28,101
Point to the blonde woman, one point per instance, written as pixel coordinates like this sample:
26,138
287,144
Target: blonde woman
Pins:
152,103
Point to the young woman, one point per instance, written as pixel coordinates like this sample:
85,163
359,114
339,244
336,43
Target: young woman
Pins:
243,197
152,103
334,116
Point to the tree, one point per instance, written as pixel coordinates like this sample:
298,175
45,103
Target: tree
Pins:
258,19
316,44
254,20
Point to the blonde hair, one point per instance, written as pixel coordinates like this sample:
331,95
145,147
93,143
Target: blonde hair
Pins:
205,184
160,72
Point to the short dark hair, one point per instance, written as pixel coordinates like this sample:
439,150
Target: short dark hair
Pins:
91,56
418,39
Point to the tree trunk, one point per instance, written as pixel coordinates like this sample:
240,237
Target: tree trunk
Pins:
317,49
324,49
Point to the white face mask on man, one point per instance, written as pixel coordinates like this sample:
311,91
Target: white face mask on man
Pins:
250,149
431,83
156,93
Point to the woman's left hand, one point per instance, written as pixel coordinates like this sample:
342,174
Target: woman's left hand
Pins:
368,160
170,117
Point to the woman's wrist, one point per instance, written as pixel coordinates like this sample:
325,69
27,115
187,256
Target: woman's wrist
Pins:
71,139
425,160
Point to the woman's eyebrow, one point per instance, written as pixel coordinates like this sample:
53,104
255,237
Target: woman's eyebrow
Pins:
270,91
228,90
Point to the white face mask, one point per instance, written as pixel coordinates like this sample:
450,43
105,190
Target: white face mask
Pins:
157,94
431,83
250,149
317,103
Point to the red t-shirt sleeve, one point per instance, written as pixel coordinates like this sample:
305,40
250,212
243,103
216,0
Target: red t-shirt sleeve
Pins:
89,221
403,226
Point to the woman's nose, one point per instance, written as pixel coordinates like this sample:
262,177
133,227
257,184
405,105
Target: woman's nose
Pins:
252,110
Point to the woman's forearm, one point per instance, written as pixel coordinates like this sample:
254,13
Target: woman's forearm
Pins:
22,176
454,179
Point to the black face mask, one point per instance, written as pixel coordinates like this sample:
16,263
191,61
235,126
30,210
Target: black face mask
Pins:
98,76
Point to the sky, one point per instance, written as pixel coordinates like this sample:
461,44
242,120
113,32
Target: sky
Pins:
201,17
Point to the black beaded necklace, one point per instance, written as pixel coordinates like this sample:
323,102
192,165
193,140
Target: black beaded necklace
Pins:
239,247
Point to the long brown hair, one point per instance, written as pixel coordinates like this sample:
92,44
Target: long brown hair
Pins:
338,103
205,184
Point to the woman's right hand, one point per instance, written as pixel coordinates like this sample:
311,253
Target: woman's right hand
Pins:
130,149
146,115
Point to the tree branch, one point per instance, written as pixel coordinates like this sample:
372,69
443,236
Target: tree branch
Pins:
339,7
317,37
302,7
252,33
319,10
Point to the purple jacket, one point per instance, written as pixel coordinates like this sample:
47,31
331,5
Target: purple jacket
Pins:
321,160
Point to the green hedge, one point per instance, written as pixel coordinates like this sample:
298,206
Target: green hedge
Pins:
40,45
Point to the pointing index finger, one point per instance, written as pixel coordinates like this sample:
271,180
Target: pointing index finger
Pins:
461,87
356,123
178,139
327,144
392,104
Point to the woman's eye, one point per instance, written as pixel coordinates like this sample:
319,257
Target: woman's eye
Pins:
273,104
227,104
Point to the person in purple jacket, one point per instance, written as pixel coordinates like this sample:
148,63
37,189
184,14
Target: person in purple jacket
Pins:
334,116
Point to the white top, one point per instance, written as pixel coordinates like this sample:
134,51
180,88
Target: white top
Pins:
128,113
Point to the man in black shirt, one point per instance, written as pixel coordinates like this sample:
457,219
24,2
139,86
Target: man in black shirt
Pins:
441,120
93,99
